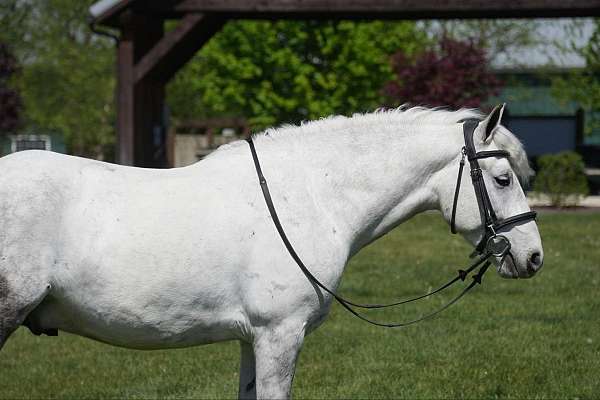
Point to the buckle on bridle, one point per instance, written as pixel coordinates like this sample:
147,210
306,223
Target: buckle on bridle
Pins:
476,173
498,245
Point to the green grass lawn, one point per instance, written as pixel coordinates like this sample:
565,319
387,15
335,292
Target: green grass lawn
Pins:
537,338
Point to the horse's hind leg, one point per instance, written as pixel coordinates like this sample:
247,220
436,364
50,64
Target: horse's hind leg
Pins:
16,304
247,372
8,312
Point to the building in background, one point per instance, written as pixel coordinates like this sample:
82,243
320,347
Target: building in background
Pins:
32,139
543,124
194,140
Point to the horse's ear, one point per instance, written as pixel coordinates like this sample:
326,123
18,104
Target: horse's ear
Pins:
490,123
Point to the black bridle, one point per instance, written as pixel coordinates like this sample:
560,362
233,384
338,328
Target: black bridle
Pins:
491,241
491,244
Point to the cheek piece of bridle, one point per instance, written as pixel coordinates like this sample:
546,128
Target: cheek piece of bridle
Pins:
491,244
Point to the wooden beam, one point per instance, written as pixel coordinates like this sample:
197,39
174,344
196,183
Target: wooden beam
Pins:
378,9
111,15
178,47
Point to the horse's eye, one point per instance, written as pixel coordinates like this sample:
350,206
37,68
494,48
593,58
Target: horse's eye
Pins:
503,180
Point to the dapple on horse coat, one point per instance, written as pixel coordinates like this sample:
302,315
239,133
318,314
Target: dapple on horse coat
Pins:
153,259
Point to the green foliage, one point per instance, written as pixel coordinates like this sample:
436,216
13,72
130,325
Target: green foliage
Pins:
288,71
583,86
509,339
562,178
68,77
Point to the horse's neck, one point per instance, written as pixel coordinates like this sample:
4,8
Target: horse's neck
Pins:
372,181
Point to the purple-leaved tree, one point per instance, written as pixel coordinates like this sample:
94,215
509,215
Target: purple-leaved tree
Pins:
10,101
455,74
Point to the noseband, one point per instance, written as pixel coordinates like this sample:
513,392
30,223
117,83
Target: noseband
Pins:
491,244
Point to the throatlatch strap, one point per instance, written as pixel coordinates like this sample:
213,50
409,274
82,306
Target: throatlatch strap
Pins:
347,304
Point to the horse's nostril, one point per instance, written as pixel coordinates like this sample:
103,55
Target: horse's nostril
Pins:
536,260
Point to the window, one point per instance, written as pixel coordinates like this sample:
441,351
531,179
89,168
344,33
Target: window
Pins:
30,142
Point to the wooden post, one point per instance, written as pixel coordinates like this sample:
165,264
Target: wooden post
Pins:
147,60
141,130
125,99
150,130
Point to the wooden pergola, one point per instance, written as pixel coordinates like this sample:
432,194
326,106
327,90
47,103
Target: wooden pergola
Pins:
148,57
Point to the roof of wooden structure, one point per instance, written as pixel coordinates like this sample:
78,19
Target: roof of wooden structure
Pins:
106,12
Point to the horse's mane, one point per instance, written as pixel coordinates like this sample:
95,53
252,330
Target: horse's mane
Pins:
405,115
402,115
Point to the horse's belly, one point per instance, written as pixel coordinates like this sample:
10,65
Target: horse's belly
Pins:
143,322
156,291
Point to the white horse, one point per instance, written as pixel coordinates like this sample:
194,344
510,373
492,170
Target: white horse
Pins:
153,259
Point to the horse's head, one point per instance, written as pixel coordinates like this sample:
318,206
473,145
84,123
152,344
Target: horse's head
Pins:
503,176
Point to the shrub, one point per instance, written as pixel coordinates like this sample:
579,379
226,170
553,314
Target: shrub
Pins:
562,178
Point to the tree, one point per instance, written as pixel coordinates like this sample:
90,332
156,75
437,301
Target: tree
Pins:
583,86
68,77
288,71
505,40
10,101
454,74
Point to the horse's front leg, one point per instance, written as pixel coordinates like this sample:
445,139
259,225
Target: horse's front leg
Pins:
276,351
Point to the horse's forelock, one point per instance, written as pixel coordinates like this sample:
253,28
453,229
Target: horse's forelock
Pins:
506,140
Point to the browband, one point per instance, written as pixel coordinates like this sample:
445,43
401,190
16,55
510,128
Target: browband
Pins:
490,153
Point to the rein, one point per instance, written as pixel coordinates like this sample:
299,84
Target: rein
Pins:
493,244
